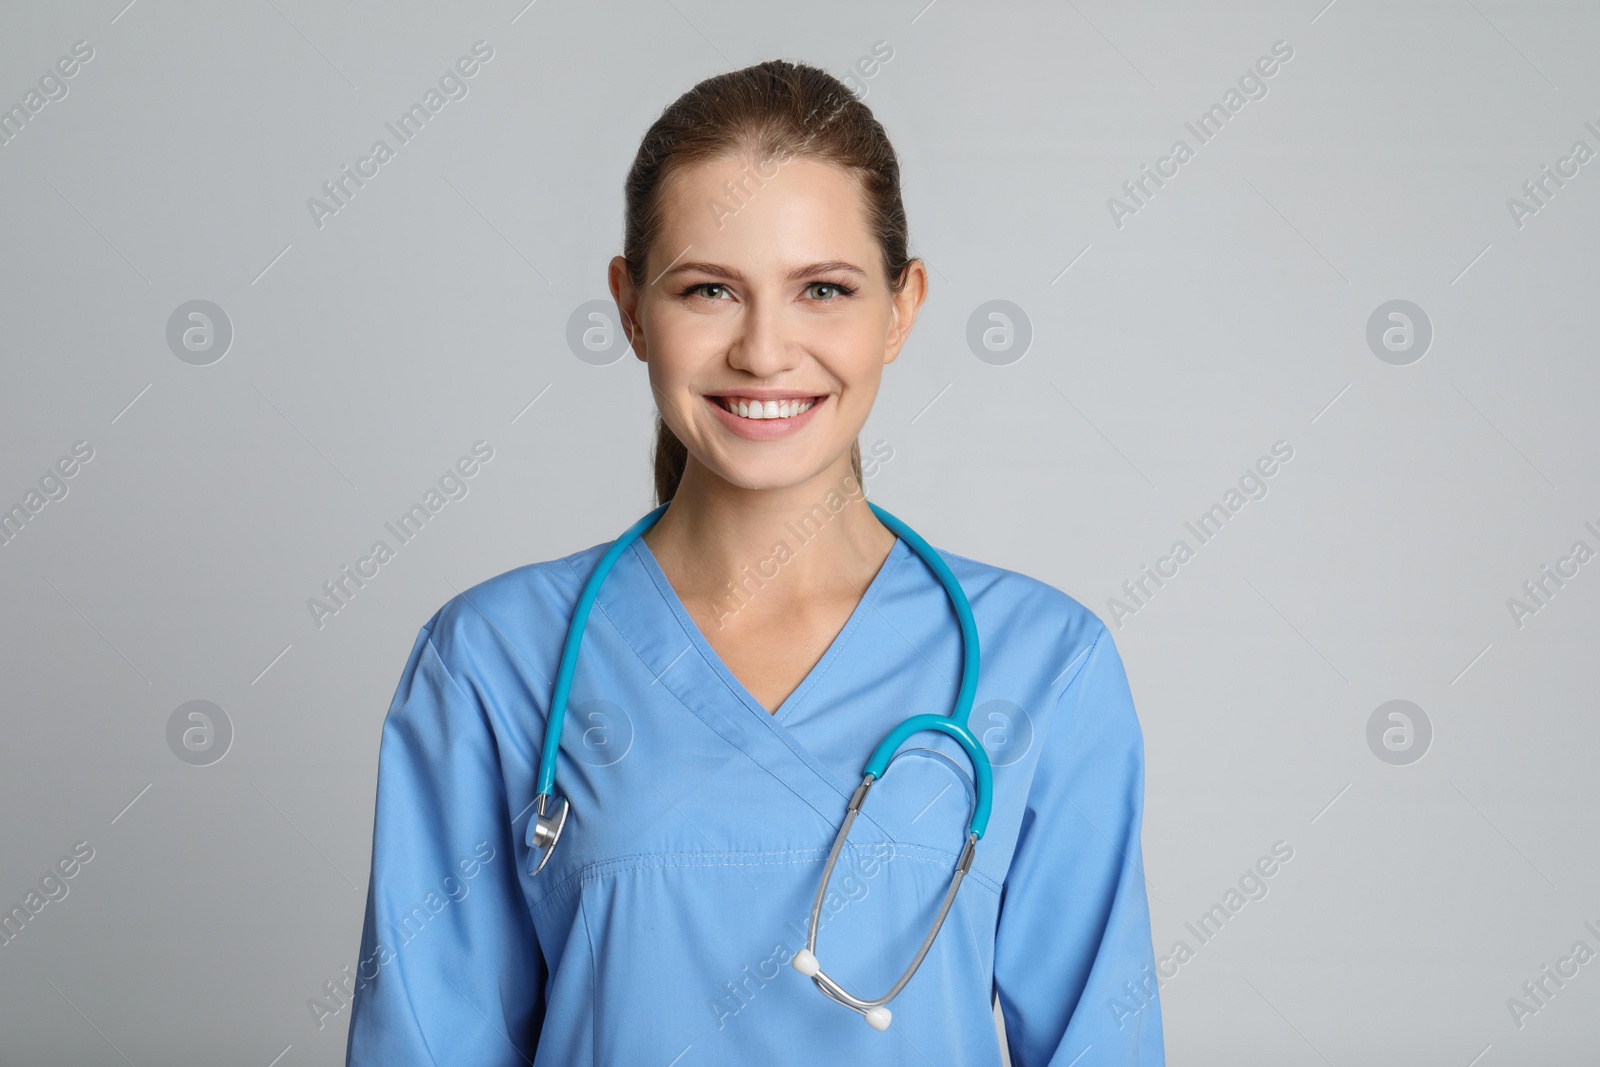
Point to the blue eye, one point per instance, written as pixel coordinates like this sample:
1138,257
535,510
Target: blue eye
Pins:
841,289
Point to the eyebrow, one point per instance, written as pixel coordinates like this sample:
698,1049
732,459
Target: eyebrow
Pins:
717,269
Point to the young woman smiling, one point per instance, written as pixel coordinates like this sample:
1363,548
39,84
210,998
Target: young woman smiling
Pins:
703,831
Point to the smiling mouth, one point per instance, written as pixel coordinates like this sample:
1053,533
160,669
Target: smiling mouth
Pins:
750,408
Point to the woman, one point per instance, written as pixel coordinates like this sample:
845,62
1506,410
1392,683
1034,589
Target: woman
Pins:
744,658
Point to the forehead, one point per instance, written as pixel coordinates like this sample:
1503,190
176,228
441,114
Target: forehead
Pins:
737,208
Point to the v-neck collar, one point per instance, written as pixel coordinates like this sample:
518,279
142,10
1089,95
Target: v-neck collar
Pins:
669,595
706,688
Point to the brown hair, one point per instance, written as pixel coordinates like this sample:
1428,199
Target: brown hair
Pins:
775,110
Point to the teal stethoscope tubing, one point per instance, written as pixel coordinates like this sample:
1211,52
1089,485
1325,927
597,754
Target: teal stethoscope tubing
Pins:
548,821
954,725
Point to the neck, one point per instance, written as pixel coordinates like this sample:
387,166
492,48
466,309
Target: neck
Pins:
723,545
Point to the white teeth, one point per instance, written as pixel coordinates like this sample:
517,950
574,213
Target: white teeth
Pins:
770,409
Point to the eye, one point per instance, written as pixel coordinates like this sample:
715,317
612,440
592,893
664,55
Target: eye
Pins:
699,289
838,287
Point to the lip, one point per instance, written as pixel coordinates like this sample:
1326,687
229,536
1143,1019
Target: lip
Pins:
764,394
763,429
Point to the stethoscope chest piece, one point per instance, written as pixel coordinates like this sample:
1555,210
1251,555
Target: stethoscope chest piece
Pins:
544,829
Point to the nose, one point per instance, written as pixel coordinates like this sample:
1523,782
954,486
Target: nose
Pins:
763,344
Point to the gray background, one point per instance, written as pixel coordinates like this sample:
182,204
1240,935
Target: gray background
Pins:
1230,312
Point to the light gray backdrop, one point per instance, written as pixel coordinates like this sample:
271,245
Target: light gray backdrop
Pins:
1149,355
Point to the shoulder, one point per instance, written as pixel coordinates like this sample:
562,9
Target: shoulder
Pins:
519,614
1011,605
1081,711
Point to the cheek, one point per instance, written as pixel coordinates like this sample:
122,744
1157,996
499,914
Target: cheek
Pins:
689,337
861,331
858,363
677,356
856,401
676,380
852,348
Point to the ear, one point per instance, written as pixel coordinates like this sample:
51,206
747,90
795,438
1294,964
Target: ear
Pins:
907,303
627,298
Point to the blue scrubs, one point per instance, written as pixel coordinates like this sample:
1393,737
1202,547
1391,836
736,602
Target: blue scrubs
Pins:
660,931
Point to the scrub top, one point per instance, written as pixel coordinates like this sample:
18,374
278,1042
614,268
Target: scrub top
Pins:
661,929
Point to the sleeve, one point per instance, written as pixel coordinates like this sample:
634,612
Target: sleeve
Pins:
450,969
1073,961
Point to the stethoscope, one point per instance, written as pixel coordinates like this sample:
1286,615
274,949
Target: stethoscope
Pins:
551,812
